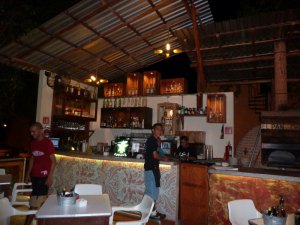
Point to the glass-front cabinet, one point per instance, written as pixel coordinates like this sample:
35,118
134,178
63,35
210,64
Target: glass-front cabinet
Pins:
71,113
67,105
216,108
167,115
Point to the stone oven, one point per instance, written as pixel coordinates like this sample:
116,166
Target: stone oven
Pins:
280,139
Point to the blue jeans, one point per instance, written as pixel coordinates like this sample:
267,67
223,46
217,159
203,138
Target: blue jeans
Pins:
150,185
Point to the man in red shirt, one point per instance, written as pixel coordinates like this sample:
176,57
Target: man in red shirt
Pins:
41,167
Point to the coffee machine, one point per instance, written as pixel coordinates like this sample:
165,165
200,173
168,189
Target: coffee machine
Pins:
137,147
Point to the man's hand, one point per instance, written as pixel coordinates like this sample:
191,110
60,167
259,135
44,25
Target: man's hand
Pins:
27,179
49,181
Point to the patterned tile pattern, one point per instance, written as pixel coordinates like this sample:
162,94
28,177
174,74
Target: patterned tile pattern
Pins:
264,193
123,181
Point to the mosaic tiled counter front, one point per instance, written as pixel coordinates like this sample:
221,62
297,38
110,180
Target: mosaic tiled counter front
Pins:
263,189
122,180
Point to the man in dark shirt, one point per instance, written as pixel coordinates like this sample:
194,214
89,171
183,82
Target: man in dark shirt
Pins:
184,150
151,166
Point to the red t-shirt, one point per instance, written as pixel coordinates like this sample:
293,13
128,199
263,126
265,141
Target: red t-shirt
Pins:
41,151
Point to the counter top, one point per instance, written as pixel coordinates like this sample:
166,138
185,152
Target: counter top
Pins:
260,173
8,159
110,157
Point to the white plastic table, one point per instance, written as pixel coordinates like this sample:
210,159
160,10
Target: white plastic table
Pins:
97,211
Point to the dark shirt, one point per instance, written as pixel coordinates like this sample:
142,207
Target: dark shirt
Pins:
188,150
150,146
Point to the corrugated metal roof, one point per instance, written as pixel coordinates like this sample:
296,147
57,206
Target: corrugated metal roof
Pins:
113,36
243,49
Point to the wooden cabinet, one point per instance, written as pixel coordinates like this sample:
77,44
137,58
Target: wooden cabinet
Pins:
216,108
173,86
167,115
151,83
73,106
71,114
193,194
114,90
129,117
133,84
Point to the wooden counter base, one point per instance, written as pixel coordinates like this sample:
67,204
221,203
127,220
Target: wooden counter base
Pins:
19,163
99,220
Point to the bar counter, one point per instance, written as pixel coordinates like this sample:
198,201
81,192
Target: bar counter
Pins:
263,186
121,178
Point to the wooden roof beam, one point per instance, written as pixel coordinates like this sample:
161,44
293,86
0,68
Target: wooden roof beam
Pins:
250,29
246,59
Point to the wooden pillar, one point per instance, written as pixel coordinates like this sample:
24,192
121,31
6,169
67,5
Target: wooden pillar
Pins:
280,76
201,83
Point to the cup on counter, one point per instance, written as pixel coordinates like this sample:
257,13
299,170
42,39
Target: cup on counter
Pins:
233,161
208,152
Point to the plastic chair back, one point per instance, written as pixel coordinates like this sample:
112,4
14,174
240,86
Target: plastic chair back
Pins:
145,208
6,211
18,197
88,189
240,211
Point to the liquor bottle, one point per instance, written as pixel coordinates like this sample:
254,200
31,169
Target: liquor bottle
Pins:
281,207
269,211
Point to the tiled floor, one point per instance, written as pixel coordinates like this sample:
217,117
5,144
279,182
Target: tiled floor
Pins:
19,220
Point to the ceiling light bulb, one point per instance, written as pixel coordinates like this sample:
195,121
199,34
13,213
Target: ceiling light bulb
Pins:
168,47
88,80
167,55
158,51
103,81
93,78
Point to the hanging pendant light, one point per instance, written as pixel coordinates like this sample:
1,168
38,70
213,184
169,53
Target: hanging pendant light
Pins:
168,51
94,79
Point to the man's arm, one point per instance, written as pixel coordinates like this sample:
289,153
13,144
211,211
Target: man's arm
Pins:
27,178
158,157
49,180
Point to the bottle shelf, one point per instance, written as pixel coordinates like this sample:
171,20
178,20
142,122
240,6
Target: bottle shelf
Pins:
126,118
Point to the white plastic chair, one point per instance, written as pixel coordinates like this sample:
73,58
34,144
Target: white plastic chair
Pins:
6,211
18,197
242,210
145,208
88,189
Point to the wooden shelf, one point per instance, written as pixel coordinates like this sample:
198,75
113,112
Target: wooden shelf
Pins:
126,118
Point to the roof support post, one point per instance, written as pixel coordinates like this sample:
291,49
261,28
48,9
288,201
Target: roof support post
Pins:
280,76
201,83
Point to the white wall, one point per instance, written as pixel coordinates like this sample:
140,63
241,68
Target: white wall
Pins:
44,100
213,130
